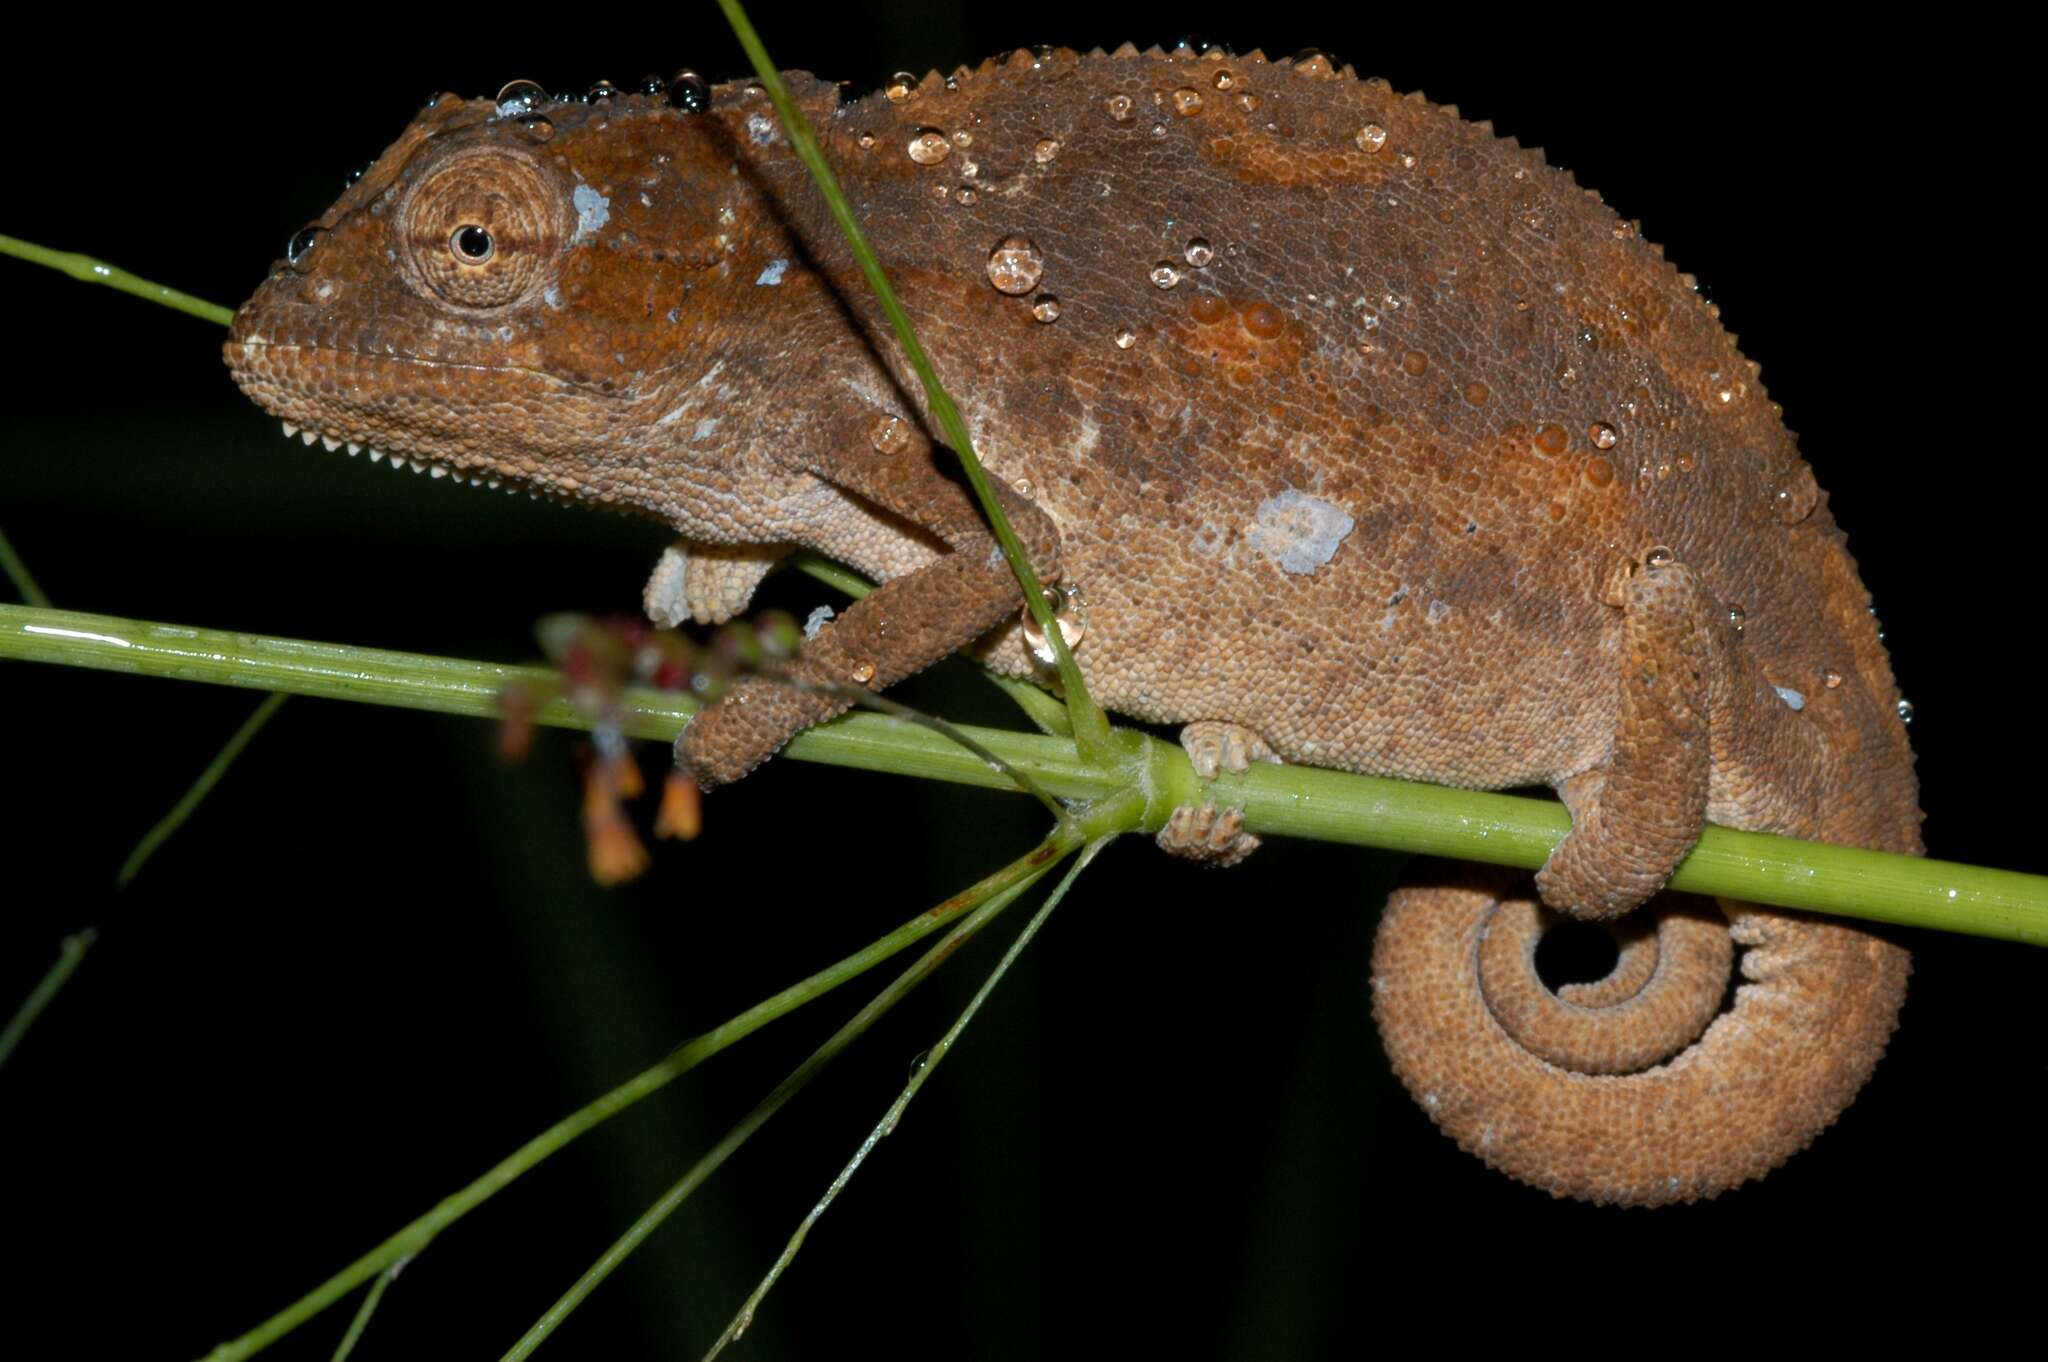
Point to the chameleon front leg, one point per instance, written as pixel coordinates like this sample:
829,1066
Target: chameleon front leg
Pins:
900,628
1637,814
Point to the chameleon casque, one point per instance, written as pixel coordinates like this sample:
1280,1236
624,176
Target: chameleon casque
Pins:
1353,434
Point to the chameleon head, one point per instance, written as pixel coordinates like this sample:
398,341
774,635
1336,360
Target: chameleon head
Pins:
502,294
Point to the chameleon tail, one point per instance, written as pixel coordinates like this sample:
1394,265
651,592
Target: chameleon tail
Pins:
1630,1090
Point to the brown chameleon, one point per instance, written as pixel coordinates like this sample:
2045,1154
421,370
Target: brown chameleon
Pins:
1352,433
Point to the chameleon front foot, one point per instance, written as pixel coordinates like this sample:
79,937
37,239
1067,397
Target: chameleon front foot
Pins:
1204,833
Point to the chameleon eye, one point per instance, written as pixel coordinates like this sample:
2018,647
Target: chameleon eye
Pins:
472,244
483,229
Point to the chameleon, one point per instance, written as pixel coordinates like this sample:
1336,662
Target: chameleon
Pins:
1346,432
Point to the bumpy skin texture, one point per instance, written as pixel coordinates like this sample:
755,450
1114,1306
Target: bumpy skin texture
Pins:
1350,424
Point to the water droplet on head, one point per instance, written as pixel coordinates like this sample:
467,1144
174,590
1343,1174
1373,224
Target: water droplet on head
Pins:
1119,107
928,146
1602,435
1736,617
603,89
1658,556
1371,137
1015,265
1047,148
1831,678
1187,101
1165,274
689,92
1223,80
1126,338
301,245
520,97
901,89
537,126
1198,252
1045,308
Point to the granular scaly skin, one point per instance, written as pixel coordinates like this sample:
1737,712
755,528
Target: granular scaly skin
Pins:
1349,428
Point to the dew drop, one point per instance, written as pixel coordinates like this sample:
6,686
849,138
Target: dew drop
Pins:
1831,678
1602,435
1165,274
1126,338
537,126
1248,101
690,92
1223,80
1119,107
1069,612
1905,709
1371,137
603,89
1737,616
1045,308
901,89
1187,101
862,673
1047,148
518,98
889,435
928,146
1015,265
1198,252
1794,493
301,245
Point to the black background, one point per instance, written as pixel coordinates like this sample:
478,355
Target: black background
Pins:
372,964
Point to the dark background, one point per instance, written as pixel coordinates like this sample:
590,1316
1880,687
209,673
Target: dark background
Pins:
372,964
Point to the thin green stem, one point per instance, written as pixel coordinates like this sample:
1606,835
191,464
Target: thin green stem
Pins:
887,1125
87,270
201,787
652,1218
1090,725
70,951
371,1300
416,1235
1296,801
18,573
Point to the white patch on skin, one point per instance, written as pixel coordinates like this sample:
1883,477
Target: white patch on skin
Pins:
817,620
1792,698
771,276
552,296
1298,533
593,210
764,130
704,429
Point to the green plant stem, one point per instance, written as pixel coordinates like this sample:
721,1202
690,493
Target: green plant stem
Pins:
652,1218
887,1125
70,952
201,787
17,571
87,270
1090,725
371,1300
415,1236
1295,801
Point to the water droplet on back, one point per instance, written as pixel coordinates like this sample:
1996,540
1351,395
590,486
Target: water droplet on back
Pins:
1602,435
1371,137
901,89
928,146
1794,493
1045,308
690,92
1199,252
537,126
1015,265
1165,274
1046,149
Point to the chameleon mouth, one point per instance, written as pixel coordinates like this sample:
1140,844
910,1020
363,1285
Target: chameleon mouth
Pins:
309,436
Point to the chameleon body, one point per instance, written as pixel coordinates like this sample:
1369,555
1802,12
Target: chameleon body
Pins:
1353,434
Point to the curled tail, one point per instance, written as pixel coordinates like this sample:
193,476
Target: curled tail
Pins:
1637,1089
